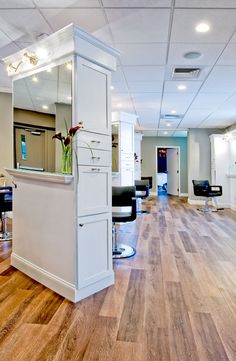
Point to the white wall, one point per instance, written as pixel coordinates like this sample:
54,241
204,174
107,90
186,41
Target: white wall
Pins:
6,132
199,156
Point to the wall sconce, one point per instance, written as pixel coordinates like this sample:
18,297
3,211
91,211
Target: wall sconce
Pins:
32,58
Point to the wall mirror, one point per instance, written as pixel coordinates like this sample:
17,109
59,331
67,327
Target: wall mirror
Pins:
42,106
115,148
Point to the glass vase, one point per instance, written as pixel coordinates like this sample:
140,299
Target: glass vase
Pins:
66,161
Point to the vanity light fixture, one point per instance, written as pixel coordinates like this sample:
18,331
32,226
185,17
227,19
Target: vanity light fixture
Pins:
32,58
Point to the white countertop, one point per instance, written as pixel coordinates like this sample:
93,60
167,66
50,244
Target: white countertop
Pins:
41,176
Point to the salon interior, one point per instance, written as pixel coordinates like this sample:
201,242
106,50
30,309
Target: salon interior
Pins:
118,180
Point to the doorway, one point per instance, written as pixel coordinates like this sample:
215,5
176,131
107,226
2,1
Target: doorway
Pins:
167,170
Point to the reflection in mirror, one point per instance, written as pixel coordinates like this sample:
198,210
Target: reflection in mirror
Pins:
115,147
42,106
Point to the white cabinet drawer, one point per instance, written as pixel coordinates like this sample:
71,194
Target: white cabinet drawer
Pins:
94,190
93,140
88,156
94,249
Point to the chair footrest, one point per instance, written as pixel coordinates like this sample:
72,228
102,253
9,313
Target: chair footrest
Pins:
123,251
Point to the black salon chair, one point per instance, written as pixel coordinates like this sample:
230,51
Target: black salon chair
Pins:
202,188
5,206
149,178
123,210
141,192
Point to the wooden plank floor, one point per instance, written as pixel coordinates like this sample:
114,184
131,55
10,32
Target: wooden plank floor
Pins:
175,300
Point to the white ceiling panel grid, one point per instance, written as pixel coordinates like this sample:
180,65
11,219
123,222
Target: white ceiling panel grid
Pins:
90,20
137,26
136,3
144,73
142,54
206,3
221,22
143,83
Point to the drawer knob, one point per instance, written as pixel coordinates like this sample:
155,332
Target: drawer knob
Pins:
96,141
95,169
98,158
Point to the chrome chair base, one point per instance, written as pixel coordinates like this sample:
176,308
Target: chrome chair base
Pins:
123,251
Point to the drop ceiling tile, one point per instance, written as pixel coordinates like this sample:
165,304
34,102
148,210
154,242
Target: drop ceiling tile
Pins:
192,86
228,57
16,4
220,80
144,73
178,102
148,117
119,87
222,25
90,20
122,102
194,117
136,3
213,123
144,101
104,35
137,26
205,3
145,87
142,54
23,24
67,3
8,49
210,53
210,101
168,125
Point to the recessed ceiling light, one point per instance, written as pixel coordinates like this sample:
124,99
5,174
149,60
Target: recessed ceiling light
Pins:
202,28
35,78
182,87
45,107
192,55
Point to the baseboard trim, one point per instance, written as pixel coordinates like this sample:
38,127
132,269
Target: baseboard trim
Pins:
60,286
49,280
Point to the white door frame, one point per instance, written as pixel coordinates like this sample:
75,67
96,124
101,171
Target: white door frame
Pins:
167,147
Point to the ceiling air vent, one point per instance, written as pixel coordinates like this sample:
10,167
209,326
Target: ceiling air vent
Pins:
170,117
186,73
